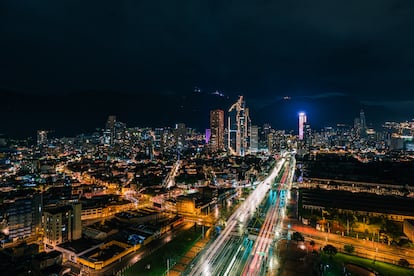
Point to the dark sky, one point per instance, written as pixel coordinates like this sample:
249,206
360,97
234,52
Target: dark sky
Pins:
263,49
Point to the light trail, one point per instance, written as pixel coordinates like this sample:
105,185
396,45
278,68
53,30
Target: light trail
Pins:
259,255
206,264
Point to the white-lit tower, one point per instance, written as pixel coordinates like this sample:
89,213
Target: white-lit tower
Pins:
302,121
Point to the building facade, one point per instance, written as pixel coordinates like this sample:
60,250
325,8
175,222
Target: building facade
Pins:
62,224
254,139
216,130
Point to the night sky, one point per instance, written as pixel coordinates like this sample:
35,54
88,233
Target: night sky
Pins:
262,49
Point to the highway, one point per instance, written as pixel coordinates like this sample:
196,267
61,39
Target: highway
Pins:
225,251
259,257
170,179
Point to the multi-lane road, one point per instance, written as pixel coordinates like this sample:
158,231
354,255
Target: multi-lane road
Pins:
257,261
233,252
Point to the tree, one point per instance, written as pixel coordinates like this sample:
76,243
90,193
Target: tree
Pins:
312,243
349,248
330,250
404,263
297,237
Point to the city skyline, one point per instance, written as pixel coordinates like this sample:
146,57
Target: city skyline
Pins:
192,109
201,138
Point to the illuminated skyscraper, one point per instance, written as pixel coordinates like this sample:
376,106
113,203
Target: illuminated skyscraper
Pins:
254,139
362,119
363,123
238,128
302,121
217,130
41,137
180,135
109,132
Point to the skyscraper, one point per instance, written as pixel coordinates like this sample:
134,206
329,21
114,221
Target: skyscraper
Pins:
217,130
238,128
41,137
363,123
254,139
302,121
180,135
109,132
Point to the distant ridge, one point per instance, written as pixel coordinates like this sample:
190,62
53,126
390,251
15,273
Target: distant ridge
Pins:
75,113
71,114
323,111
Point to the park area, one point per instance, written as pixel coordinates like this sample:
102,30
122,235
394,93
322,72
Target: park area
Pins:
156,263
297,258
359,266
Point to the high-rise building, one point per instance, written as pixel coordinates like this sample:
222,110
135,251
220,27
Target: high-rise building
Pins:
254,139
109,131
238,128
217,130
357,123
21,214
302,121
41,137
119,132
180,135
307,134
158,138
62,224
363,123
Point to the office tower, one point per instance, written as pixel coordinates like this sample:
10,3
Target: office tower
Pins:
109,131
41,137
270,142
180,134
158,138
217,130
302,121
357,123
363,123
62,224
254,139
307,134
238,128
265,131
119,132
